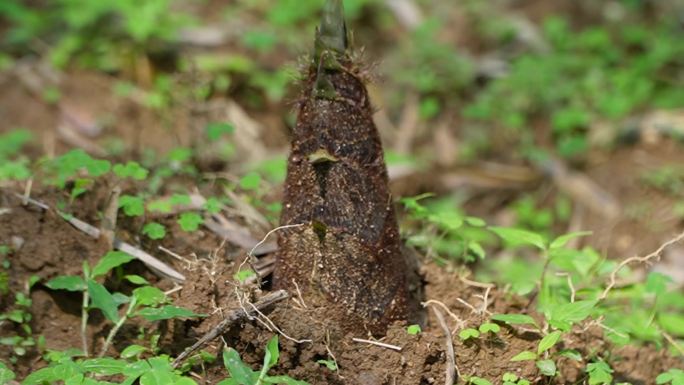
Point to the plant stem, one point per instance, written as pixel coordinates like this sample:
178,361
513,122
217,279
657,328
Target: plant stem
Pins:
117,326
84,322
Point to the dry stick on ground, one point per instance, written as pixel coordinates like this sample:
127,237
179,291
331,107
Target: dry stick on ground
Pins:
230,318
377,343
451,369
108,225
653,256
155,264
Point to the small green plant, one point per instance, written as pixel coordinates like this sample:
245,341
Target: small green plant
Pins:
79,32
242,374
600,373
145,301
672,376
446,230
6,375
513,379
14,165
468,334
68,367
20,316
330,364
154,230
4,270
413,330
477,381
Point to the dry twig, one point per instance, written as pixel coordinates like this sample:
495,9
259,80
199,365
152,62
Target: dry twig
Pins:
152,262
653,256
229,319
451,369
377,343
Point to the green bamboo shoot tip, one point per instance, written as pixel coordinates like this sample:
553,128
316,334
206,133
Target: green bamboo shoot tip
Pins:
332,33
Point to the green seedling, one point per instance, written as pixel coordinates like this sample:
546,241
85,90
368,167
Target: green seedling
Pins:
545,365
20,316
468,333
242,374
330,364
600,373
190,221
478,381
672,376
13,165
446,230
513,379
154,230
413,330
68,368
489,327
146,301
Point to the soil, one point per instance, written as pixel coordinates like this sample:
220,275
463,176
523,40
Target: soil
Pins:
50,246
46,246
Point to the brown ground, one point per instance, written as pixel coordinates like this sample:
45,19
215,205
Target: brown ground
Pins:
51,247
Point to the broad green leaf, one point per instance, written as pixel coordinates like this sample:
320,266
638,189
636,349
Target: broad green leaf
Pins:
283,380
133,206
330,364
212,205
238,370
468,333
6,375
180,200
564,239
130,170
272,352
166,312
478,381
98,167
475,222
547,367
250,181
132,351
656,283
548,342
599,373
413,330
103,300
672,323
563,316
136,279
111,260
571,354
190,221
518,237
41,376
489,327
161,373
243,275
67,282
104,366
476,249
184,381
524,356
216,130
228,381
149,296
446,220
515,319
154,230
675,376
